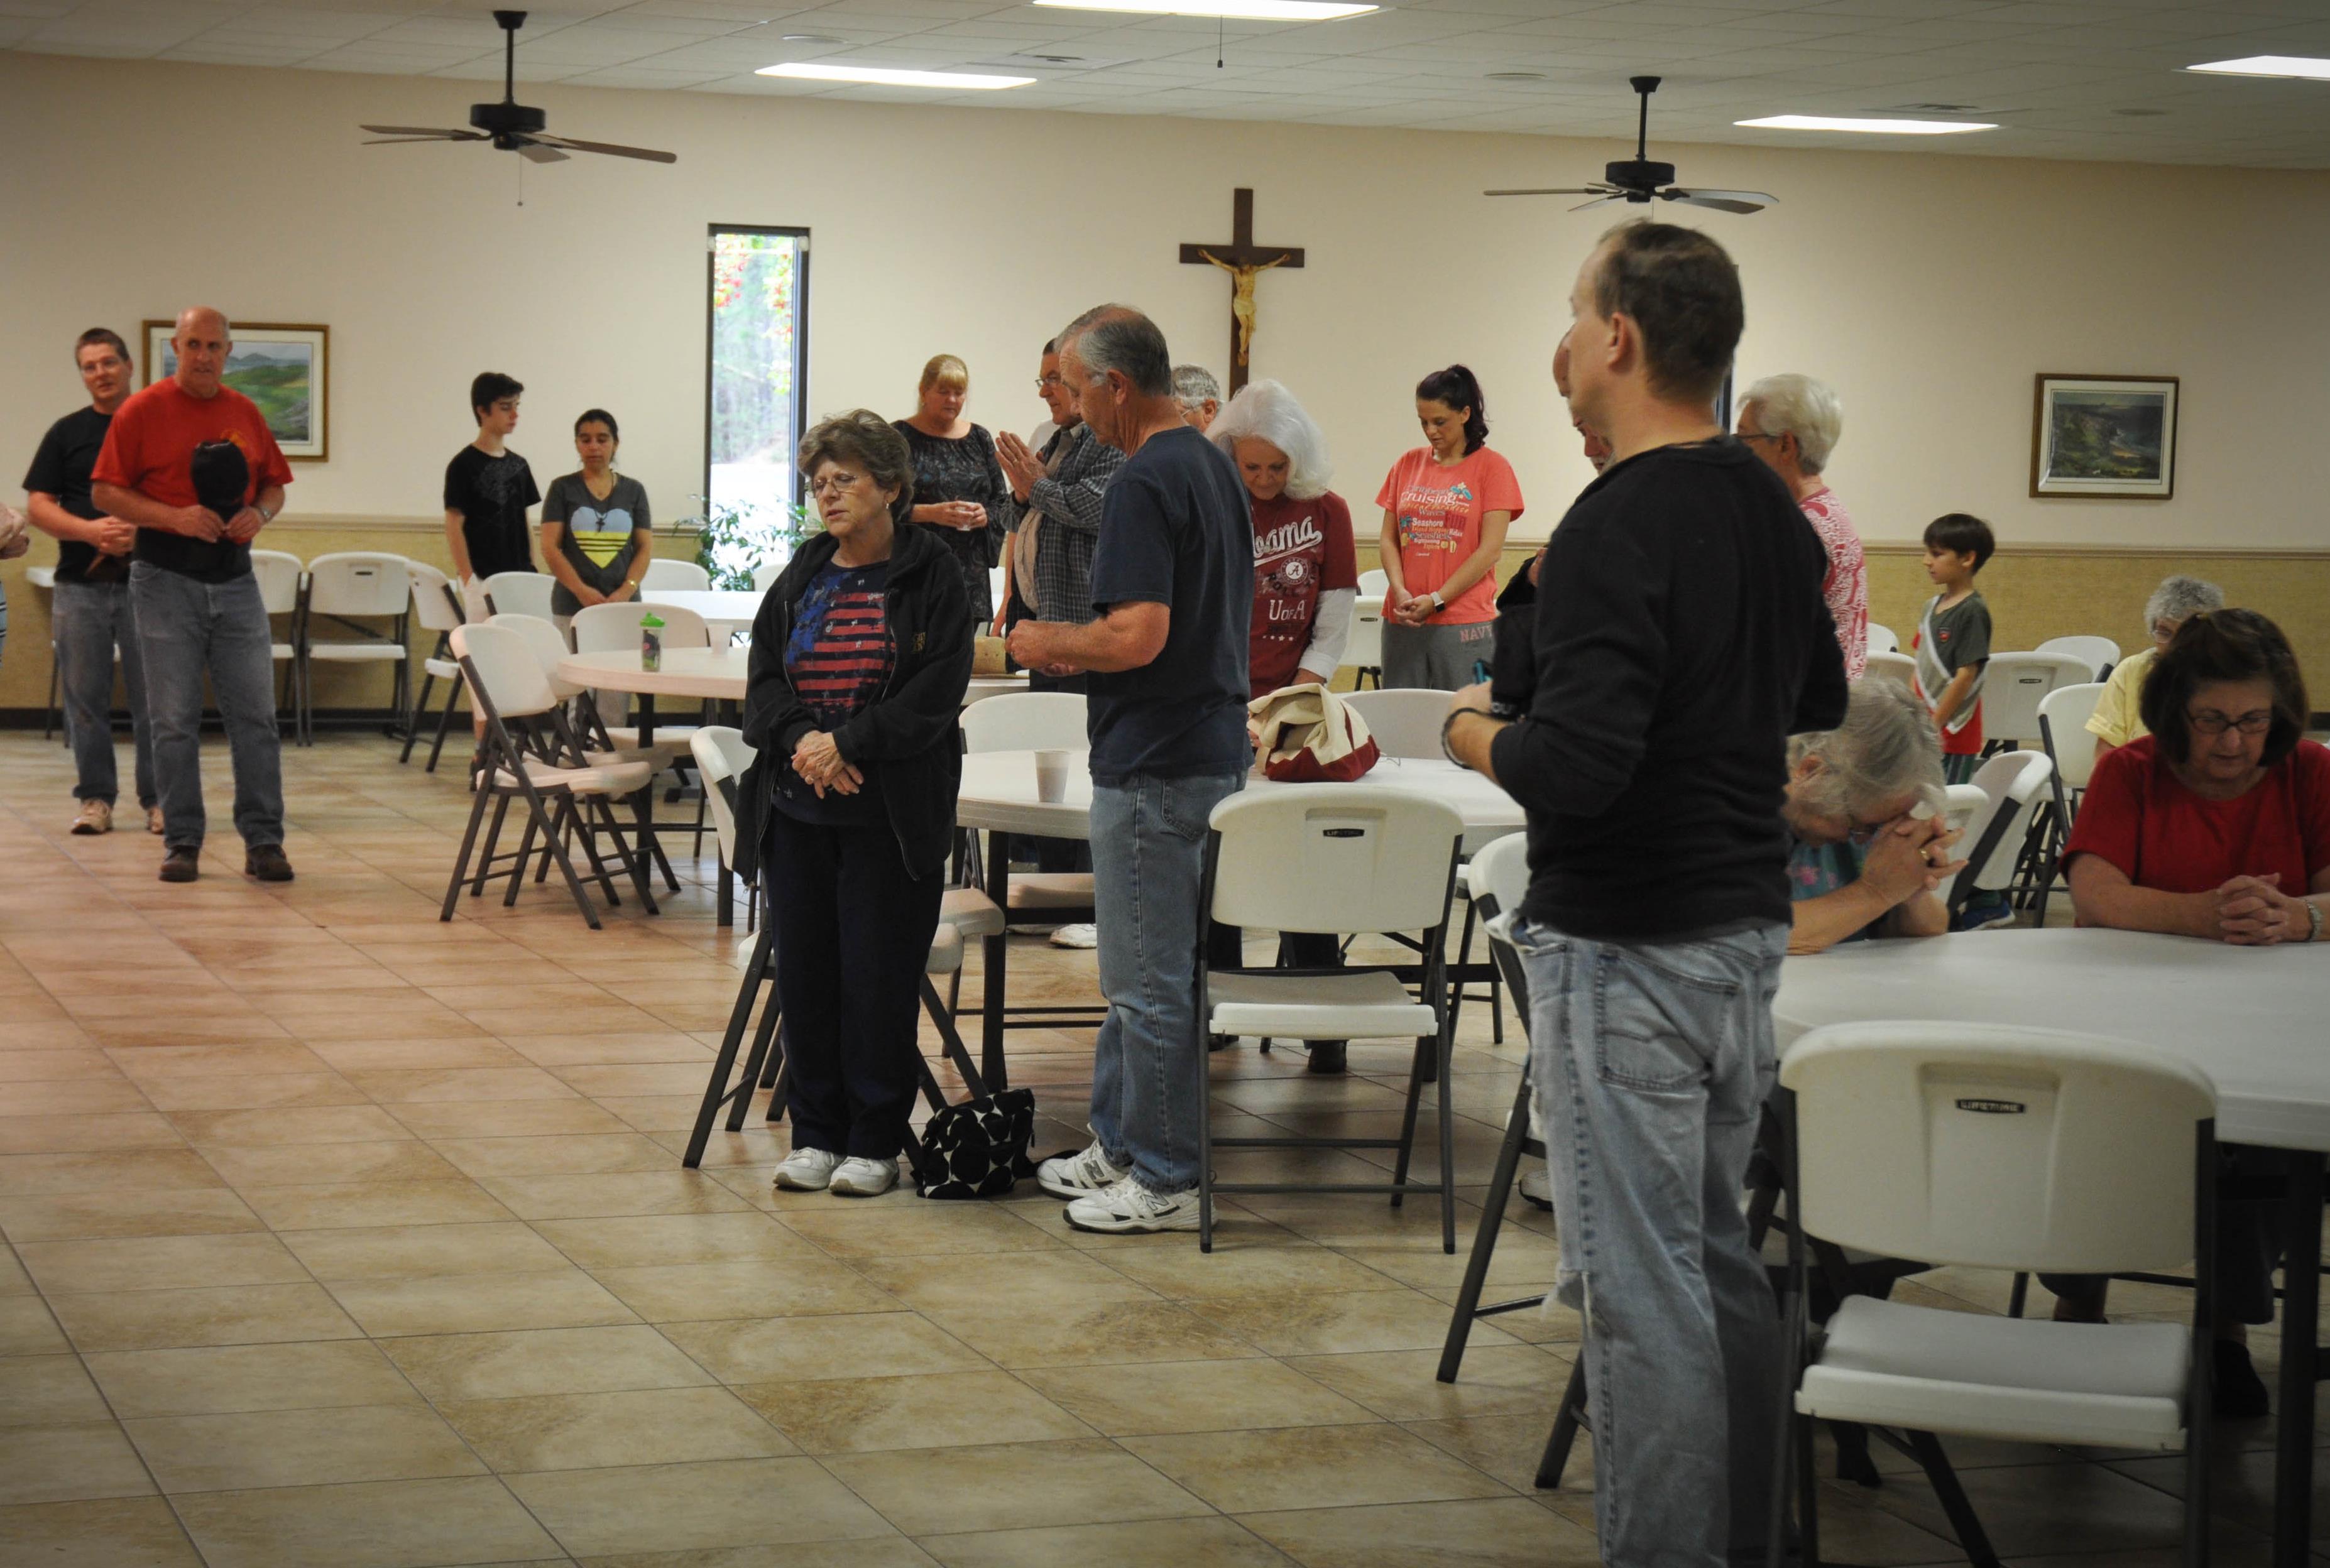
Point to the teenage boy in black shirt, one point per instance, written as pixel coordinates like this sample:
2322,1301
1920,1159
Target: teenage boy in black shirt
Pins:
1680,638
488,488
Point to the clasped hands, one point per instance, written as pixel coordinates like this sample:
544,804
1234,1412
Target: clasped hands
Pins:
1021,465
1033,644
2252,912
1409,610
202,523
961,514
1910,856
818,763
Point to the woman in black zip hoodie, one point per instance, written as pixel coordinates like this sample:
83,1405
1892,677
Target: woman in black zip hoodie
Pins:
860,659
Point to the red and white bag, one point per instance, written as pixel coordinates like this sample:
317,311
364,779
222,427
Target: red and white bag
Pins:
1306,735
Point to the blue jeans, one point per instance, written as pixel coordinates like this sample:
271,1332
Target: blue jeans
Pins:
90,620
1149,857
187,627
1651,1061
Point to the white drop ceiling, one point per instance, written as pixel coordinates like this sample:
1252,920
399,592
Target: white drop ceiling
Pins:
2064,78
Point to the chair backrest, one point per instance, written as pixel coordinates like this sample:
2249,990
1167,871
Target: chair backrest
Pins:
1374,583
1334,857
506,667
995,585
1997,1147
675,576
278,572
1898,668
546,643
1882,640
359,582
2098,653
721,755
1363,649
1404,722
2013,684
521,592
1500,872
1027,722
2072,750
2015,782
765,573
612,627
435,605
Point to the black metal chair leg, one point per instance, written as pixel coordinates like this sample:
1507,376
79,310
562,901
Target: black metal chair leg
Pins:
444,722
412,718
1566,1423
1484,1240
493,837
461,861
1972,1538
1444,1052
716,1092
1415,1081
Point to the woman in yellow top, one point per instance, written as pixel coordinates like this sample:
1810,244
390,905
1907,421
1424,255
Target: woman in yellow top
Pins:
2115,721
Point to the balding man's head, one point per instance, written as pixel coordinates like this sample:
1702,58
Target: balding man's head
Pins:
1115,361
201,343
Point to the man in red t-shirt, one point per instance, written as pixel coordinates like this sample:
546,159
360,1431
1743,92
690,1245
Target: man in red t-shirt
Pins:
192,462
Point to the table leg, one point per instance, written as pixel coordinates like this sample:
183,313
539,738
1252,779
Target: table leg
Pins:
992,988
2301,1290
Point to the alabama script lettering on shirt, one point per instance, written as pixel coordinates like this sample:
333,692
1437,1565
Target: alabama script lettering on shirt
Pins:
1434,517
1285,564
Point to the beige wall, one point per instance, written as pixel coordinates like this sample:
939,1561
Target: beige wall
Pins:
1928,289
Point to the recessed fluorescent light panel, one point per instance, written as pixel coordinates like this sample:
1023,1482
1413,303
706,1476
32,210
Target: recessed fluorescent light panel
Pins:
2269,65
1235,10
875,76
1891,127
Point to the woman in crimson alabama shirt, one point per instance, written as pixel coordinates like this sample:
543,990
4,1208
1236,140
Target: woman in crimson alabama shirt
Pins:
1306,573
1446,507
2216,825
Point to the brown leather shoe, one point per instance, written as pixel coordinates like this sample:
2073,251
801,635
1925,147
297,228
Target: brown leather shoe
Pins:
182,864
267,864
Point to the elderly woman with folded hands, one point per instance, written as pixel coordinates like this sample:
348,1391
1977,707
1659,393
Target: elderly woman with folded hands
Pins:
1859,863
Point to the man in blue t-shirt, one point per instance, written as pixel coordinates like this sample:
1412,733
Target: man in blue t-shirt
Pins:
1173,588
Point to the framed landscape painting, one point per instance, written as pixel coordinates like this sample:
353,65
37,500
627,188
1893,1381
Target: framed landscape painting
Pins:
2104,436
286,370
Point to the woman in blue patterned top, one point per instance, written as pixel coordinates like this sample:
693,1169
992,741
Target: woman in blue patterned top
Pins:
1859,863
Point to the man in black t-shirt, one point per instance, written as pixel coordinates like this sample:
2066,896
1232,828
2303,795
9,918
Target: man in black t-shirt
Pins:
1172,584
90,617
488,488
1678,639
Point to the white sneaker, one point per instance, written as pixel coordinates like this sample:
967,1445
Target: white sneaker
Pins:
95,816
1080,936
863,1178
1537,1188
1078,1175
807,1170
1131,1206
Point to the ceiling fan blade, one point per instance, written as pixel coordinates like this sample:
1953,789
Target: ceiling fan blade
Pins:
1721,200
424,132
1581,190
539,153
402,141
649,153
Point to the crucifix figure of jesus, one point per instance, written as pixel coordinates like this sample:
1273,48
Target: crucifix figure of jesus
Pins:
1244,260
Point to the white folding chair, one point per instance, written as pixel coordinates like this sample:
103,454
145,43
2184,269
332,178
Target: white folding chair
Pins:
615,628
1998,1147
2063,716
2012,686
1363,651
1374,583
1996,846
436,606
520,593
1882,640
279,575
995,575
1405,724
1898,667
531,754
1340,860
765,573
2098,653
722,758
343,590
670,576
1036,722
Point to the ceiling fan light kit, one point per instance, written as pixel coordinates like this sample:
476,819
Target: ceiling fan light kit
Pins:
1642,180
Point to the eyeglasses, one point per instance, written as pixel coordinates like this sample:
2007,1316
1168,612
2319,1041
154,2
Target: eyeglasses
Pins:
1046,384
834,483
1756,436
2210,722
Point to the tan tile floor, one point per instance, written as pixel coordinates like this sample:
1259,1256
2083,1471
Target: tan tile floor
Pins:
336,1235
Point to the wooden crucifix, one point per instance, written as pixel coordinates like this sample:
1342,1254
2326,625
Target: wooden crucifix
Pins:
1243,260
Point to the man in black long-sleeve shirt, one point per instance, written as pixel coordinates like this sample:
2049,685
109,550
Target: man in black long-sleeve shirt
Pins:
1680,639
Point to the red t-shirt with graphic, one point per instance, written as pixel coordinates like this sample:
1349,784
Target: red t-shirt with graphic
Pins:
1439,510
1302,548
150,447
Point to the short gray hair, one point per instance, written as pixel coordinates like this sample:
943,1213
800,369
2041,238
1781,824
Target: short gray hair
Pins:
1799,406
1117,337
1194,386
1267,412
2178,599
1886,748
862,438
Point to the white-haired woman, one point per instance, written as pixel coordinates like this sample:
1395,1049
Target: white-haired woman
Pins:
2118,718
1859,864
1306,573
1792,423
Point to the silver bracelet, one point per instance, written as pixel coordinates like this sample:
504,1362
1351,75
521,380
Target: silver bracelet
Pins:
2313,920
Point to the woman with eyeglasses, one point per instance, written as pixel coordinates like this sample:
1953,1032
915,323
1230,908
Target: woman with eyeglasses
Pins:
857,675
960,495
2217,826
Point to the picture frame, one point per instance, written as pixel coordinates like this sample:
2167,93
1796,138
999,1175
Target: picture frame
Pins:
2104,436
283,367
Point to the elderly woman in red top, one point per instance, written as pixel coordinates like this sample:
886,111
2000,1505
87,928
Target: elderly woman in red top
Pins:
2217,826
1306,573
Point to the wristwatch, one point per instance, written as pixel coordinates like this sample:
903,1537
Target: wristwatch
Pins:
2314,922
1438,603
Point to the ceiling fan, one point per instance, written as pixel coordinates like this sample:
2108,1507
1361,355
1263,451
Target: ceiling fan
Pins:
509,125
1639,180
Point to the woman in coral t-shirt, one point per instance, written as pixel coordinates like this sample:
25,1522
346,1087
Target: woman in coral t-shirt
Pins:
1446,507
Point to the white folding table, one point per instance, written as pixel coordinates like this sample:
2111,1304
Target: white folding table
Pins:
2256,1020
